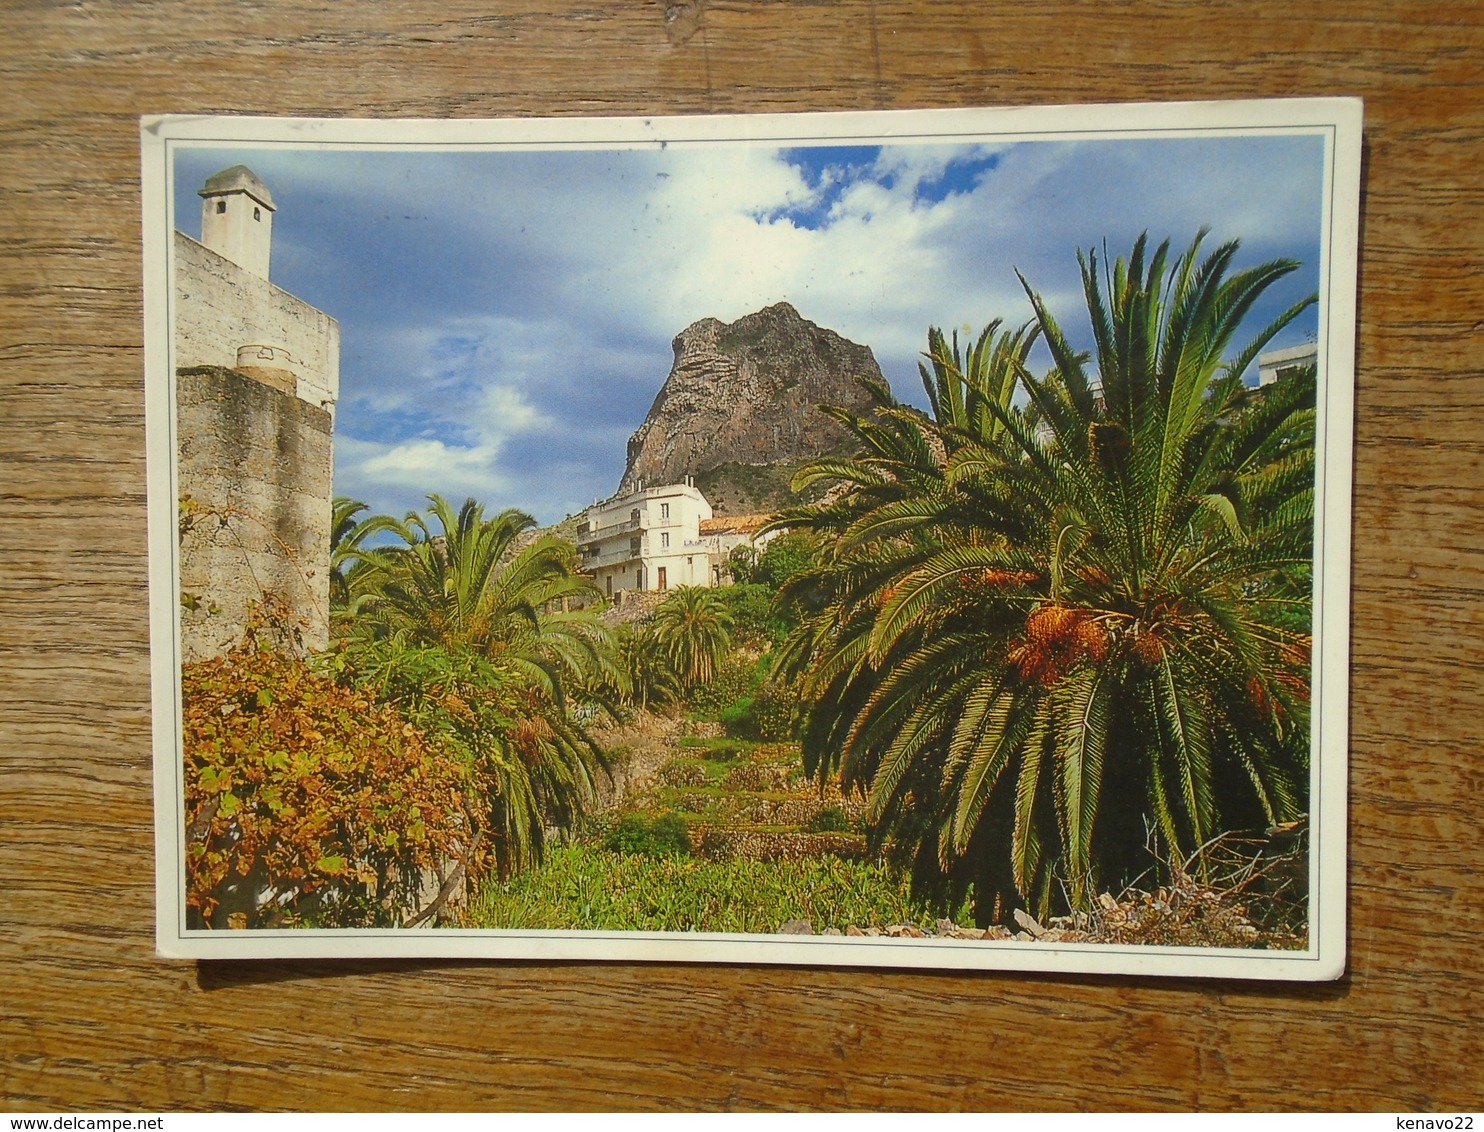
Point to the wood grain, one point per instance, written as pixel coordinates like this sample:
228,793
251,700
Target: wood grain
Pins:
89,1019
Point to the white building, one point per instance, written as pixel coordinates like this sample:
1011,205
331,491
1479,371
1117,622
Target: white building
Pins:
660,538
1275,363
723,534
648,540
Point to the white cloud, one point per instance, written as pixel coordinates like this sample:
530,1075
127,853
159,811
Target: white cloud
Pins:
506,318
398,477
471,419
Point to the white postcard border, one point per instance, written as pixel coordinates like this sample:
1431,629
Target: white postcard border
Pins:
1338,120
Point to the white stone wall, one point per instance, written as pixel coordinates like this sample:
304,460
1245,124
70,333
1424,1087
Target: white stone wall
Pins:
717,549
220,307
682,568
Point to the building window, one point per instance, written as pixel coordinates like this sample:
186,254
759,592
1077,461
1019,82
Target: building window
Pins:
661,577
634,515
221,206
257,214
664,510
634,546
665,541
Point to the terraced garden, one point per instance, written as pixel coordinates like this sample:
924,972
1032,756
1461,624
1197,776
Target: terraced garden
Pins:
705,833
715,835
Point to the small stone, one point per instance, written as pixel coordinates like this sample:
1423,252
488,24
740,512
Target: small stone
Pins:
1029,923
947,927
853,930
832,931
796,927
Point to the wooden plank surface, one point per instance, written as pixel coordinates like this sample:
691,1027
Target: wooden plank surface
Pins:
89,1019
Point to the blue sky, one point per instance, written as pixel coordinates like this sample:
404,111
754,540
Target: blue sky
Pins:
506,317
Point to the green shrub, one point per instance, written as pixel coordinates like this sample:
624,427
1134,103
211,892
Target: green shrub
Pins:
768,713
741,563
790,553
753,618
670,836
775,712
738,676
831,819
737,719
629,835
665,836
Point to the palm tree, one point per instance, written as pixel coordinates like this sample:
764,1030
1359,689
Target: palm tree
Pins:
649,675
475,629
692,626
352,563
468,583
1058,629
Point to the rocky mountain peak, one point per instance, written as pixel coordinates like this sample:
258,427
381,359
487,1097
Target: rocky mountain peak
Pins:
748,392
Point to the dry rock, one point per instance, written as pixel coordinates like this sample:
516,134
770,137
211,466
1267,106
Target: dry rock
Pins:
1029,923
748,392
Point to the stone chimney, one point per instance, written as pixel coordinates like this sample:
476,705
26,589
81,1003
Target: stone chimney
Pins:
237,218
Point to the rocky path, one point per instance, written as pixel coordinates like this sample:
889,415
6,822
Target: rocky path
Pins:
639,749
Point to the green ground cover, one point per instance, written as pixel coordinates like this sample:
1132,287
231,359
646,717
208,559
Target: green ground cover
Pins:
727,837
590,888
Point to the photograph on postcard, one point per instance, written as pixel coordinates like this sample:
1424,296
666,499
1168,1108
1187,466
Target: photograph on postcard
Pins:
901,539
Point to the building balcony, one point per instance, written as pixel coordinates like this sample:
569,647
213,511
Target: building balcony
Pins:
614,556
597,534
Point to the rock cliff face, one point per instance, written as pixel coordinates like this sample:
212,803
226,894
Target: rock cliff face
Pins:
747,393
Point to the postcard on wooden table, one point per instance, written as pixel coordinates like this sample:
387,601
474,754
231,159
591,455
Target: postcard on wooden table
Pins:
899,539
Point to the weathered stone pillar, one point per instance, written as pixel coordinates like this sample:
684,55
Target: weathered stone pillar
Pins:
255,468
